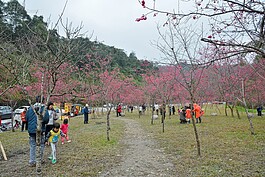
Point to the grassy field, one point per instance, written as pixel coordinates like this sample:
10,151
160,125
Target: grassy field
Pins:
227,147
87,155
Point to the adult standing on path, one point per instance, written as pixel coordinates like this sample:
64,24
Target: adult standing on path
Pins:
142,156
52,117
31,118
86,112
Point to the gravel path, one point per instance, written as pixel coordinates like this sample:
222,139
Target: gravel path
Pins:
142,156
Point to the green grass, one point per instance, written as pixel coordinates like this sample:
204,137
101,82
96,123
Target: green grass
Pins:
227,146
87,155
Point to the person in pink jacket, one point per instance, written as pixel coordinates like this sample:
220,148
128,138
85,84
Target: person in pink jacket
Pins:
64,128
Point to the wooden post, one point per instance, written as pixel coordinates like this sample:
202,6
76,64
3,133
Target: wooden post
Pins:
3,151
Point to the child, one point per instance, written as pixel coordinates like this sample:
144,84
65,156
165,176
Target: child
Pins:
23,119
188,114
182,116
53,137
64,128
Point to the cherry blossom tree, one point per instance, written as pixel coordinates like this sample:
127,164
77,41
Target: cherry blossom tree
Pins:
112,88
239,24
181,49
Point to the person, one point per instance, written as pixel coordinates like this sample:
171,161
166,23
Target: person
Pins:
188,114
173,110
31,118
182,116
140,110
197,110
202,112
64,128
76,111
72,113
131,108
86,112
23,119
163,112
52,117
118,110
156,108
259,110
144,108
53,137
170,109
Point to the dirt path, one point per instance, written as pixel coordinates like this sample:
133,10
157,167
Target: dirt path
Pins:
142,156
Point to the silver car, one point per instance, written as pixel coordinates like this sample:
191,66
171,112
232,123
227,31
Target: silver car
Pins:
5,112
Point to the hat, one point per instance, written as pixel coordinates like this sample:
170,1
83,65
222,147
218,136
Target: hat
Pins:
86,105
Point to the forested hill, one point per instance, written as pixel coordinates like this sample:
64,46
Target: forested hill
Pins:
16,26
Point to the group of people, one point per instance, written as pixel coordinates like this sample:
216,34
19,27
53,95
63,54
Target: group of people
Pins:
130,108
51,131
185,114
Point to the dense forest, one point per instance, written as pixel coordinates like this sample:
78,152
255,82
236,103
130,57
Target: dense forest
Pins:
27,40
17,26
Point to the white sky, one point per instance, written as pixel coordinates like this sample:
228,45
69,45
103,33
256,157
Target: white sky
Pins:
112,22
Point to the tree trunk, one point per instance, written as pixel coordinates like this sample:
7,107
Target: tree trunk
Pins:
108,124
196,136
231,109
226,109
163,118
248,115
218,109
195,129
38,146
237,112
152,110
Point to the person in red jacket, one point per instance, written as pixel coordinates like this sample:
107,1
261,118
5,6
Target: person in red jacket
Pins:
118,110
188,114
197,110
64,128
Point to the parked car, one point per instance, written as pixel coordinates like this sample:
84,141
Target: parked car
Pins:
20,109
5,112
76,109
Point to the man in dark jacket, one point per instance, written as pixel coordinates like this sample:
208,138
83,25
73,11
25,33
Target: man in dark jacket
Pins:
259,110
86,111
32,118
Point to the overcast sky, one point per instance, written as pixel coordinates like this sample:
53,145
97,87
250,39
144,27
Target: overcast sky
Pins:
112,22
